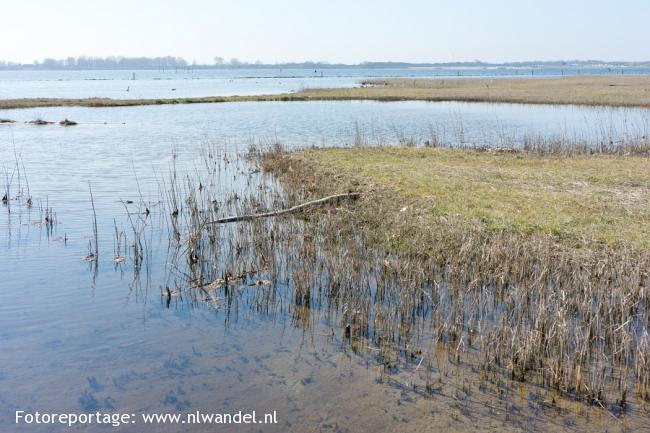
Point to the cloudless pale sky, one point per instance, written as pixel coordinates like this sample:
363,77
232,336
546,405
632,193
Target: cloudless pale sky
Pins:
332,30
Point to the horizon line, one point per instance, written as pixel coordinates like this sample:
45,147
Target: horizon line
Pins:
158,62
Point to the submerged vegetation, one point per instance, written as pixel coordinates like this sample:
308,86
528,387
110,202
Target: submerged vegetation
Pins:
624,91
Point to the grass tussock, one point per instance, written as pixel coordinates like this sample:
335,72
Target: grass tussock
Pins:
67,122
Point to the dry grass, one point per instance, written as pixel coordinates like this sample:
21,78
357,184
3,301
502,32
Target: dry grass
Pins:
540,264
583,200
108,102
6,104
475,307
632,91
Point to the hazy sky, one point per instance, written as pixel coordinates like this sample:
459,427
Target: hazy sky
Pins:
334,30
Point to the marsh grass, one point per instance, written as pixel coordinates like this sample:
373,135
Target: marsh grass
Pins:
630,91
108,102
16,183
586,200
491,279
436,303
637,146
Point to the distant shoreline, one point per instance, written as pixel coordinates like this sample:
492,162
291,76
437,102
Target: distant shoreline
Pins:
170,62
615,91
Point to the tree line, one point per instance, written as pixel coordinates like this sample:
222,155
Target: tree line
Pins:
171,63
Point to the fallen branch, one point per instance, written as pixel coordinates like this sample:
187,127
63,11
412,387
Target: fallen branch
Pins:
351,195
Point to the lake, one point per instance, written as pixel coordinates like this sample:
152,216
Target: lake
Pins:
86,335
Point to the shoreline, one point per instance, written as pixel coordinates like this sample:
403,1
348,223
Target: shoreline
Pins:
609,91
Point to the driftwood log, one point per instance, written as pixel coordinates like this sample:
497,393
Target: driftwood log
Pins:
331,198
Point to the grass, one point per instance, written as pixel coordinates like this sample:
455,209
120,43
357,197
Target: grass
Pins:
538,262
445,260
586,199
629,91
108,102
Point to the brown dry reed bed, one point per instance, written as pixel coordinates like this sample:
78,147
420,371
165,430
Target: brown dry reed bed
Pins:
571,318
624,91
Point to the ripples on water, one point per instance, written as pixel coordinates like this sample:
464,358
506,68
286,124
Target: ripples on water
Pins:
79,335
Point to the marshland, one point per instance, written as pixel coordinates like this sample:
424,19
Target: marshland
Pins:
612,90
491,274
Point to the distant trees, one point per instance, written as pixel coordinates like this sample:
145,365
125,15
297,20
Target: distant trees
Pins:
170,62
52,64
85,62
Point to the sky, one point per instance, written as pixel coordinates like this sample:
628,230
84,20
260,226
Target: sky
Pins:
347,31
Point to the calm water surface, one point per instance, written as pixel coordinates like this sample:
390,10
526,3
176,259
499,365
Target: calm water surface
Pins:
78,338
125,84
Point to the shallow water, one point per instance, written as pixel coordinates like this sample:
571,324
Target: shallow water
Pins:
333,123
79,337
248,81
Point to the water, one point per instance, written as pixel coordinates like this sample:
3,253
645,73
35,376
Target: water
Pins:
75,337
315,123
227,82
